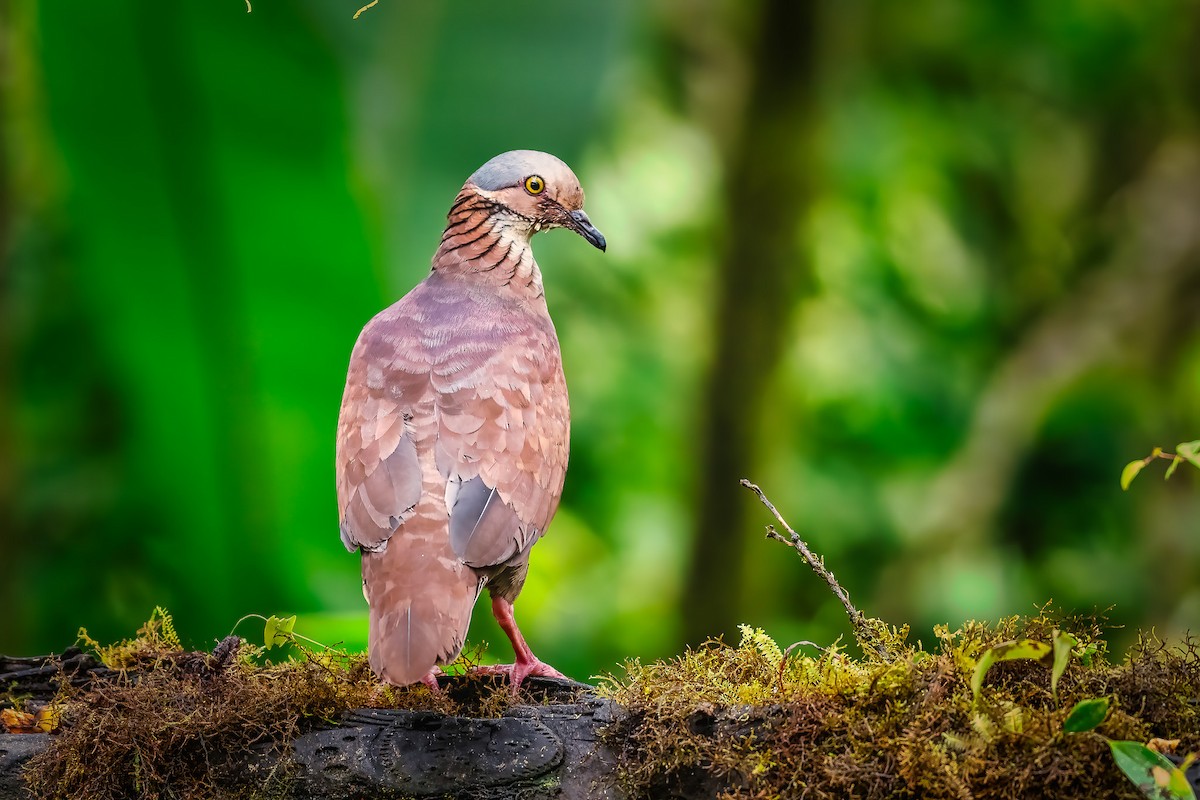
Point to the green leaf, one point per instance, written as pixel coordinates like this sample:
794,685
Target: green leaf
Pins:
1063,643
1190,451
1023,649
1086,715
1175,462
1130,472
278,631
1154,775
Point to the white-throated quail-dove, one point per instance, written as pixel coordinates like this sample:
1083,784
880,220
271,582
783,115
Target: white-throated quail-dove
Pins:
453,435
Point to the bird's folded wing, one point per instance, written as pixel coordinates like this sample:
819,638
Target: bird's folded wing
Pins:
502,444
379,476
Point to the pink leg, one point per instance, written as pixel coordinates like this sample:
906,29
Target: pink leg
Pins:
527,663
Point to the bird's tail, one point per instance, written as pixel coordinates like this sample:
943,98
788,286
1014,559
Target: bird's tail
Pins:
420,607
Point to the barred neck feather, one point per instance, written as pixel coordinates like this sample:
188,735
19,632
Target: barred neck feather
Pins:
490,243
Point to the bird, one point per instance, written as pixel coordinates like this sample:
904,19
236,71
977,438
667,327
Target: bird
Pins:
454,429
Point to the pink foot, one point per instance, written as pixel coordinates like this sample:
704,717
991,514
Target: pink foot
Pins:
430,679
518,672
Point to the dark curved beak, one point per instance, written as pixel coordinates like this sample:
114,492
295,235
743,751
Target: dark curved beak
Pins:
584,227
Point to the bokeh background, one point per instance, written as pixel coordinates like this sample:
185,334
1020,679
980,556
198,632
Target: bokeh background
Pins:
928,272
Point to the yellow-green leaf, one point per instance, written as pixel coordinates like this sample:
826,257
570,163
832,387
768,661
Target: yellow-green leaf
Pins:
1179,786
1130,472
1063,643
278,631
1190,451
1175,462
1086,715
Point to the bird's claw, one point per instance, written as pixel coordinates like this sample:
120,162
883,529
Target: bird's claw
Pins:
518,672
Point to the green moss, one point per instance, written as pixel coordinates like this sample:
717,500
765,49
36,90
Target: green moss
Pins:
180,724
765,722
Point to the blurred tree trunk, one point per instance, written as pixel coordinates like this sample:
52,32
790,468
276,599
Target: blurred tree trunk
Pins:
761,271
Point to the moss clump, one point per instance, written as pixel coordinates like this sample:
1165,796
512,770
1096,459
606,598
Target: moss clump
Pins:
762,723
179,724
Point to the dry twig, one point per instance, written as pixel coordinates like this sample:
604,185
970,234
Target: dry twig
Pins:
864,628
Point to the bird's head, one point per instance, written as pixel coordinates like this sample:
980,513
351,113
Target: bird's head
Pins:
538,189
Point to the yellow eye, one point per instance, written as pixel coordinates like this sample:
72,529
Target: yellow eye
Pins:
534,184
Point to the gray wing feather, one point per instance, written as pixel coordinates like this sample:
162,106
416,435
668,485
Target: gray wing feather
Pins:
484,530
383,499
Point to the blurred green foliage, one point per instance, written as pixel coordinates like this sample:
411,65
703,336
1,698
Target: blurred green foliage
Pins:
201,207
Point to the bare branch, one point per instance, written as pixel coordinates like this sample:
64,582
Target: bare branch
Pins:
864,628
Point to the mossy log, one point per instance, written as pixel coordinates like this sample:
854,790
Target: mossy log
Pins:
749,721
546,748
